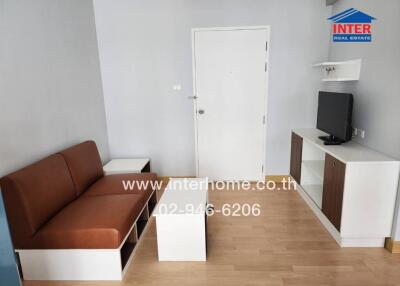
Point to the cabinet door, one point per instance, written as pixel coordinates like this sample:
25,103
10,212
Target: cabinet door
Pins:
295,157
332,197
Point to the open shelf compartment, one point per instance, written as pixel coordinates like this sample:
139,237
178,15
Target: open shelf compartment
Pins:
142,221
312,172
152,203
316,167
128,247
136,232
315,193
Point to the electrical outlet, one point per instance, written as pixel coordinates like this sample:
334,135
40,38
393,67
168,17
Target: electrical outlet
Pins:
362,134
355,132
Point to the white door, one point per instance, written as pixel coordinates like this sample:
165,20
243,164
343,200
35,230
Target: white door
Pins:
230,86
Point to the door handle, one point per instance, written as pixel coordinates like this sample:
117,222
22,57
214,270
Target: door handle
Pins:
192,97
201,111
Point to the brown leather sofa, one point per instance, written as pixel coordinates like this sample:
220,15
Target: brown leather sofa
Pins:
65,202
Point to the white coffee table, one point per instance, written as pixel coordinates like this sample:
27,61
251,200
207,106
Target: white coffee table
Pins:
127,166
181,221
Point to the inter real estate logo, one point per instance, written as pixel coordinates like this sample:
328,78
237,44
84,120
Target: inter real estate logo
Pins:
351,26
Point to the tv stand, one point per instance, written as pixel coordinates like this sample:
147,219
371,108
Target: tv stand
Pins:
331,140
350,188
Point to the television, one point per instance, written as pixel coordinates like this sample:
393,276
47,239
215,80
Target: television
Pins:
335,112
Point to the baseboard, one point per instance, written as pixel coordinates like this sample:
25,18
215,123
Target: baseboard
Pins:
392,246
165,179
277,178
274,178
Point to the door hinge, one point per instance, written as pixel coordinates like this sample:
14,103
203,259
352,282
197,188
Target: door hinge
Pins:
266,46
262,169
264,119
266,67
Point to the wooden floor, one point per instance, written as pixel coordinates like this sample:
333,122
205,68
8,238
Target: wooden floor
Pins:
286,245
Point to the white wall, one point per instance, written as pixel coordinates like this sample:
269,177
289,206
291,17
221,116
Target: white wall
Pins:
145,48
376,94
50,82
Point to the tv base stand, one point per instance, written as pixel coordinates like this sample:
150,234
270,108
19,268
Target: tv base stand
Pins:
331,140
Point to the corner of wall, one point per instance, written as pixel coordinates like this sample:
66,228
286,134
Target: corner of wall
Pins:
332,7
107,154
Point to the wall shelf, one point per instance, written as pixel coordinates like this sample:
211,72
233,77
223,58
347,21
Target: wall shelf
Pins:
340,71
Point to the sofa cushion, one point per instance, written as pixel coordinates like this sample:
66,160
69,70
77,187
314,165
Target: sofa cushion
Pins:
91,222
84,164
142,184
34,194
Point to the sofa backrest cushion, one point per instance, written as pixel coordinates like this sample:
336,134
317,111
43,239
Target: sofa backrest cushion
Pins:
84,164
34,194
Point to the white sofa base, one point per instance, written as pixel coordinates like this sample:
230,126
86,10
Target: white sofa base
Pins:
85,264
71,264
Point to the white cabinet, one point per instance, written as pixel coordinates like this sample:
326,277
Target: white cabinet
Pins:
351,188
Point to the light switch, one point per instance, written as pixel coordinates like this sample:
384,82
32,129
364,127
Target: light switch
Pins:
177,87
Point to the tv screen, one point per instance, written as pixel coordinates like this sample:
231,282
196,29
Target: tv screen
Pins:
335,115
